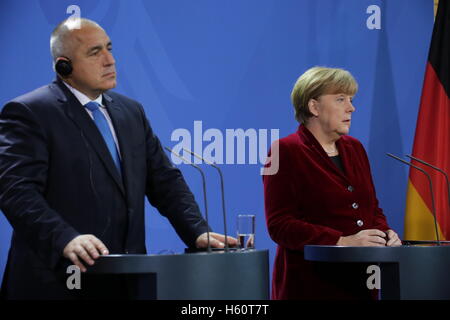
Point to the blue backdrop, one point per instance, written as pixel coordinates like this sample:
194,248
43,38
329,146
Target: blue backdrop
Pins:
231,65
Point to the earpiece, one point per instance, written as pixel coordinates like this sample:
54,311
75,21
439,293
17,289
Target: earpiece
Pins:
63,66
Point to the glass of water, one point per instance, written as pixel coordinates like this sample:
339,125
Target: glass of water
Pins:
246,231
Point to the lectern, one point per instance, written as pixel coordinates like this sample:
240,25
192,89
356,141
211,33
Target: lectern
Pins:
407,272
217,275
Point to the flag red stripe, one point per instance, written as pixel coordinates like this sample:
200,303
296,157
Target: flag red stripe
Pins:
432,144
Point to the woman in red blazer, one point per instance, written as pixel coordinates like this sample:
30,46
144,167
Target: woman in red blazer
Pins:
323,193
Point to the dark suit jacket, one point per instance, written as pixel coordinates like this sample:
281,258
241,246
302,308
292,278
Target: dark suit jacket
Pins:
58,180
310,201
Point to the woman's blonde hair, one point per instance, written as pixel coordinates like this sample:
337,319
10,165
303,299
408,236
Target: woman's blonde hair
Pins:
316,82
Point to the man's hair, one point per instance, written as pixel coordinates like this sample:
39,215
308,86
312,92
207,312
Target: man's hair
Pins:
316,82
60,40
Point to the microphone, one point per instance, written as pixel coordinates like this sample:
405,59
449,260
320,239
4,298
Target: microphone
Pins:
204,190
437,169
431,190
222,192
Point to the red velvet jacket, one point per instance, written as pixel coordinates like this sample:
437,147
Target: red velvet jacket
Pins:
310,201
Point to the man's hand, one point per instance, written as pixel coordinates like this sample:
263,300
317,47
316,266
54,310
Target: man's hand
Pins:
393,239
216,240
85,247
364,238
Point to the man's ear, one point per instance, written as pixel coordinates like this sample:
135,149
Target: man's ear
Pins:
313,107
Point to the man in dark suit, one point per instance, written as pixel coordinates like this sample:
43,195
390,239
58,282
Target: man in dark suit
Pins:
76,162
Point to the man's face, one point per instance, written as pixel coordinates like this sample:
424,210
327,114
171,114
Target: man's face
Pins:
93,63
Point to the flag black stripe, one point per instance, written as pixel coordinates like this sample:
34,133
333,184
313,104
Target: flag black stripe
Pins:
439,55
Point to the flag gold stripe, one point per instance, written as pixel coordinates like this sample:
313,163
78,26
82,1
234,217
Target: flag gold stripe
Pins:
419,222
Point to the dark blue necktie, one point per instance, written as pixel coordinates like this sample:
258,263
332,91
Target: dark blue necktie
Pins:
103,126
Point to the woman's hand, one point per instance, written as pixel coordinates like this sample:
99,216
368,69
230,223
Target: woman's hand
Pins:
393,239
364,238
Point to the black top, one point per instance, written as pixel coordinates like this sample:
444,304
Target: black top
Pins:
338,162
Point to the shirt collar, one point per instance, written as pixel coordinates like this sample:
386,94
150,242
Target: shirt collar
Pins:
82,97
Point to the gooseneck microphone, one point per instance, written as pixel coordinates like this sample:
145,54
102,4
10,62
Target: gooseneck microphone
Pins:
431,191
204,190
222,192
437,169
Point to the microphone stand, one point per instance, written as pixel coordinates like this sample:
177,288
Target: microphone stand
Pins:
222,192
437,169
431,190
204,191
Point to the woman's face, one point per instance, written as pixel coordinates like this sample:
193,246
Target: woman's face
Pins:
334,113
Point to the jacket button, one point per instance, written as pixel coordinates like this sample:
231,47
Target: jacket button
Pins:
355,205
350,188
360,223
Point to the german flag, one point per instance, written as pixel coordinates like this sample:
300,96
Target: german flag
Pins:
432,139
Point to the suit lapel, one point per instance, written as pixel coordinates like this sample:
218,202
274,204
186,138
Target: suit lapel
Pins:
80,117
346,157
123,134
322,155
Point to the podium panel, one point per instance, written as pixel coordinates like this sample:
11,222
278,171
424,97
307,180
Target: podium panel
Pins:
407,272
218,275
